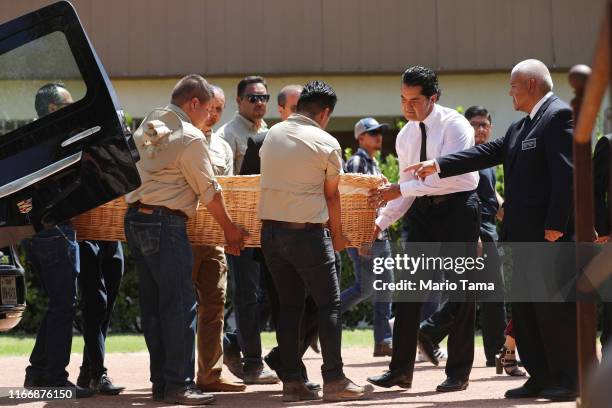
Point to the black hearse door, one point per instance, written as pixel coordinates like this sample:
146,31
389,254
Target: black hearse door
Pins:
64,146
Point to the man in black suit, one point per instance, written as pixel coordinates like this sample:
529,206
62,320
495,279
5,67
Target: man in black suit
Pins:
603,213
537,156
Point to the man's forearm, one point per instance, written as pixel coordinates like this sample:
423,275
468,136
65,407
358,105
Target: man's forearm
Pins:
216,208
335,213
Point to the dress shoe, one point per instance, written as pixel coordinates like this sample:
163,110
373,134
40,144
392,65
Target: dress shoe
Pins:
188,396
522,392
105,386
79,392
294,391
222,385
345,390
390,378
231,358
427,348
452,384
383,350
559,394
312,386
260,375
32,381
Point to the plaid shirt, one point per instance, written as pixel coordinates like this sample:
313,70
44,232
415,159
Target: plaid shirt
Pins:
361,162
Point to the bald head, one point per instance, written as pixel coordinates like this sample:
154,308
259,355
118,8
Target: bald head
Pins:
287,100
536,70
530,80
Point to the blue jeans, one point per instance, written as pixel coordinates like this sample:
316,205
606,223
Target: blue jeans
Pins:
301,261
99,280
53,255
161,250
362,289
247,296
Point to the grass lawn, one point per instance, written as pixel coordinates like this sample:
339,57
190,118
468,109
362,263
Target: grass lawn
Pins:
19,345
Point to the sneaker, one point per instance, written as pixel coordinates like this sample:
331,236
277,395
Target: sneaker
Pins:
440,354
420,358
260,375
345,390
105,386
188,396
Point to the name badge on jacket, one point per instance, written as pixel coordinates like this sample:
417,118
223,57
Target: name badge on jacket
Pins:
528,144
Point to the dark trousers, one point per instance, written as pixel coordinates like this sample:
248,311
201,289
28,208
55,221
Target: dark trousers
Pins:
160,247
53,255
99,280
300,261
309,329
248,299
455,220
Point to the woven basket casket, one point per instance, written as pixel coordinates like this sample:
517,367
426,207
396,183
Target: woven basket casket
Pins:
241,194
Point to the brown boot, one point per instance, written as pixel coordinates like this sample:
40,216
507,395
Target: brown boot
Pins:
383,350
222,385
294,391
345,390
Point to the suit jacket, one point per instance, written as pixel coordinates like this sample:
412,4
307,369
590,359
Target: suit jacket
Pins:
602,187
251,163
538,172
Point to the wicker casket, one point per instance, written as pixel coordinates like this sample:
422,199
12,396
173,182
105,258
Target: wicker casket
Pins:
241,194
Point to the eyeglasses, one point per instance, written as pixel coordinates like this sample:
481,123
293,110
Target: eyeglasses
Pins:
483,125
254,98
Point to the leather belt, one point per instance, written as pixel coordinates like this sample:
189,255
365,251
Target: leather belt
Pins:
165,210
292,225
439,199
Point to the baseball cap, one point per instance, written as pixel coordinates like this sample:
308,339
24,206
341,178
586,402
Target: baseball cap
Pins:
368,125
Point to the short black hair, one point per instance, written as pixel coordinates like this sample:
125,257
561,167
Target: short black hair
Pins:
477,110
47,94
253,79
189,87
316,96
424,77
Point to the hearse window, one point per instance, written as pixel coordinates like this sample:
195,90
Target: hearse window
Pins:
37,79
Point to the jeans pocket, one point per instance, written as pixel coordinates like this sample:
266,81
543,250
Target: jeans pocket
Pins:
147,236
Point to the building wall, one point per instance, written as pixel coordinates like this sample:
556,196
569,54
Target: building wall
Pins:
162,38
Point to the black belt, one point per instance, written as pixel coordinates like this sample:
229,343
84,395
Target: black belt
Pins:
439,199
292,225
148,209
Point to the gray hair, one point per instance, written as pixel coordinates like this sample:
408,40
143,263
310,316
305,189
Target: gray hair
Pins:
535,69
217,90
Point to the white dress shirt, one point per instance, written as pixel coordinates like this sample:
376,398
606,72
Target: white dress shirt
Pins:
538,105
447,132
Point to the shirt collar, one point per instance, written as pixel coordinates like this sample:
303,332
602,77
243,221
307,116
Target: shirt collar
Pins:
539,105
208,135
429,120
181,113
361,152
250,125
304,120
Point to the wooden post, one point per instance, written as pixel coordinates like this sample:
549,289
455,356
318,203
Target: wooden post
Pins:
589,87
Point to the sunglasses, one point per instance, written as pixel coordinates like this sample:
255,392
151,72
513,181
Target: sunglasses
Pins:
254,98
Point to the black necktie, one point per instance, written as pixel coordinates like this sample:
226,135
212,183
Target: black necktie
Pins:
423,142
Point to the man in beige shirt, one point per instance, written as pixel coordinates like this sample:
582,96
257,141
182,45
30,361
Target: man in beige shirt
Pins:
248,290
176,173
209,273
300,169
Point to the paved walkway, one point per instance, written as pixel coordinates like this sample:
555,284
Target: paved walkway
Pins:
131,370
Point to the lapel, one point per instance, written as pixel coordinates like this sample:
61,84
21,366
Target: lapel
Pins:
524,131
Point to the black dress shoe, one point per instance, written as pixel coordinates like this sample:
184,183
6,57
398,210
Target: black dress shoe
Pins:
427,347
79,392
312,386
452,384
522,392
105,386
557,393
391,378
32,381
